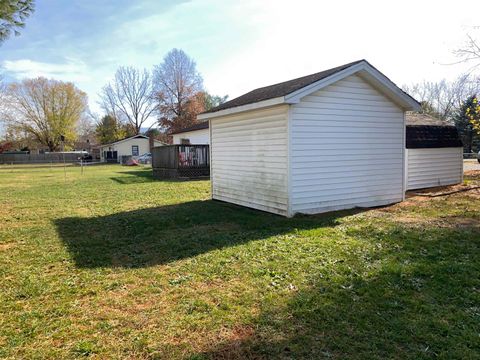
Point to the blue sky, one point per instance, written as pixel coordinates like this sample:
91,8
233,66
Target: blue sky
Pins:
238,45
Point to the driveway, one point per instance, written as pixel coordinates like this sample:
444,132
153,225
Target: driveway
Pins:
471,165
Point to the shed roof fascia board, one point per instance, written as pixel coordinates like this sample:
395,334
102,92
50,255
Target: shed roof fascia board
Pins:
370,74
253,106
395,93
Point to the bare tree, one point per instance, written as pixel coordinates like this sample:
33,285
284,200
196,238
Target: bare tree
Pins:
3,106
443,98
86,129
177,83
46,110
3,94
470,52
2,84
129,97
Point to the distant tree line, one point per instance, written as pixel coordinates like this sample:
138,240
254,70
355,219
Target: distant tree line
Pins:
41,112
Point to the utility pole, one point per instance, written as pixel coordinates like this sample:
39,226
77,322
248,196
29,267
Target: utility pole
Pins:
62,139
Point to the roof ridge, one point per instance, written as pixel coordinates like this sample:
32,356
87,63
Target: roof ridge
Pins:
344,66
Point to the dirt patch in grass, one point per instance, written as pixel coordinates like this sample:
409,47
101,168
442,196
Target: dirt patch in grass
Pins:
421,221
411,201
233,344
416,211
7,246
475,194
5,209
459,222
443,190
471,175
407,219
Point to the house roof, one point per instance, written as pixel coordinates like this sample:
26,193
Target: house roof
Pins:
139,136
425,131
424,119
199,126
291,87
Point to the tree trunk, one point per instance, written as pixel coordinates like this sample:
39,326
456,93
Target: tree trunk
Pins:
468,145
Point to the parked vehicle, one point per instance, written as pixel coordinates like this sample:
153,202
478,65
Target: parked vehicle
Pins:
87,158
145,158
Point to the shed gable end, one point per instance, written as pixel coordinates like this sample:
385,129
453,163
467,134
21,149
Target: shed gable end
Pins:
346,148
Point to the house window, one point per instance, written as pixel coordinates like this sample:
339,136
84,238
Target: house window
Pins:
184,141
134,150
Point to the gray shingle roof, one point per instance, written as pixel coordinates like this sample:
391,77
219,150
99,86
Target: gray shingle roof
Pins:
424,119
199,126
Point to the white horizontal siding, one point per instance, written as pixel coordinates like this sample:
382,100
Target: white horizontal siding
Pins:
249,159
347,148
124,148
434,167
197,137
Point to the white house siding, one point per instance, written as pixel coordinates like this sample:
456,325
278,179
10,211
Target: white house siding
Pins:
249,159
198,137
434,167
347,149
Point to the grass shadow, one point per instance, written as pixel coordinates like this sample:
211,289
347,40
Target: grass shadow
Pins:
160,235
142,176
138,176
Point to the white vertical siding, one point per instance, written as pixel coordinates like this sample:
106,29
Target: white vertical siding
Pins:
347,149
198,137
249,159
434,167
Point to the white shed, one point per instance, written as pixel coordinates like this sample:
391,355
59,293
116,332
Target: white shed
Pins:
434,153
134,146
197,134
327,141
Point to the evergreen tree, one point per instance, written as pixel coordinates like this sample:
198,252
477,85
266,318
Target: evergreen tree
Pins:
465,128
109,130
13,14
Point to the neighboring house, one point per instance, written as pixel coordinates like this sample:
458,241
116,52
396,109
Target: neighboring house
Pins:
197,134
133,146
434,152
327,141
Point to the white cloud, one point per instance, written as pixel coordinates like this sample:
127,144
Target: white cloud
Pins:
70,70
409,41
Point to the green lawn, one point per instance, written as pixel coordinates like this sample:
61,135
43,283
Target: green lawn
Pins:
113,264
